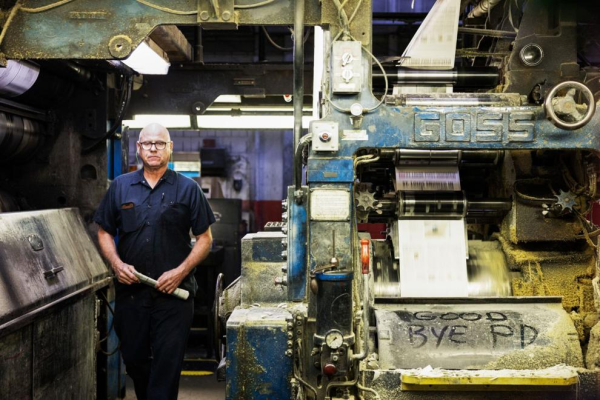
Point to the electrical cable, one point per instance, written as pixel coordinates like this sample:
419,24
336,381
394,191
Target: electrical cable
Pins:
343,17
367,389
270,39
166,9
259,4
124,103
586,233
12,14
368,110
106,353
45,8
345,29
296,372
535,181
355,11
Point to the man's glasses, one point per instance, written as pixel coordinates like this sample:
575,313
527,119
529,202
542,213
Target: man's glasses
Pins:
158,145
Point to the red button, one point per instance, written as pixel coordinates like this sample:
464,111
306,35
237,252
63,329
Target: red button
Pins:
329,369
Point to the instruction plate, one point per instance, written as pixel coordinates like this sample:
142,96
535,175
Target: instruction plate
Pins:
329,205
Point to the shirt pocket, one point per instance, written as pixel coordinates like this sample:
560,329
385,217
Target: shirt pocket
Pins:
131,220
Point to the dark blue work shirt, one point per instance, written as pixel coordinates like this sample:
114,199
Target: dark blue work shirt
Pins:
153,224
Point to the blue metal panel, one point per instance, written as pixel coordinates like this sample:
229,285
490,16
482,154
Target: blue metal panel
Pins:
110,160
116,157
330,170
257,364
459,127
298,231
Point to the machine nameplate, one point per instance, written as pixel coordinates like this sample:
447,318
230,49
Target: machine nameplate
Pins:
329,205
349,134
477,126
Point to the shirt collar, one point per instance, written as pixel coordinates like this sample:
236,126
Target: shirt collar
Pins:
169,176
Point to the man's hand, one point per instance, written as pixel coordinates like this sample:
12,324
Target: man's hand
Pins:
170,280
124,273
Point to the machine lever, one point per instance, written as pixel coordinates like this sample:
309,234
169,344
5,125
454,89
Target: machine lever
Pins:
364,255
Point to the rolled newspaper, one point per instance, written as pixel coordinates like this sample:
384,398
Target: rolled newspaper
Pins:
146,280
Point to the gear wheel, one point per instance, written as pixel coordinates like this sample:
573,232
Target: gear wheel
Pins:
366,202
565,201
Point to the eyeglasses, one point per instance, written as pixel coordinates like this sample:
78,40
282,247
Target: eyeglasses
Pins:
158,145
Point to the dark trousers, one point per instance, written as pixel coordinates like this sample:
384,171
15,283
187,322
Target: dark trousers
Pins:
153,329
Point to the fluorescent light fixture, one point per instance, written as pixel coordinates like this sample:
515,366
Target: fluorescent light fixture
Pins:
250,122
148,59
168,121
229,98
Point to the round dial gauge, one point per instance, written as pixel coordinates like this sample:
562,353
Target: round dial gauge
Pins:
334,339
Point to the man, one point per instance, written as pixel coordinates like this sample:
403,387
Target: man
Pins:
152,211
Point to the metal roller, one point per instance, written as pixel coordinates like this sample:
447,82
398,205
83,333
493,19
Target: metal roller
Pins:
479,77
19,137
424,205
464,158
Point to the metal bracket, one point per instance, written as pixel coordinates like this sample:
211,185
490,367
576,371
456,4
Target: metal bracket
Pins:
217,14
49,274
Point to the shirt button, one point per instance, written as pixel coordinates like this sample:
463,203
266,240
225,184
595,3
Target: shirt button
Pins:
147,240
148,223
149,206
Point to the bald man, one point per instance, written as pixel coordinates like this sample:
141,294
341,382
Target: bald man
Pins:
152,212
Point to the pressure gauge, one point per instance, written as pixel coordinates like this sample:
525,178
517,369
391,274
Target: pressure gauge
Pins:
334,339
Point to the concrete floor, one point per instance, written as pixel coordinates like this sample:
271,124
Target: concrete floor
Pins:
191,388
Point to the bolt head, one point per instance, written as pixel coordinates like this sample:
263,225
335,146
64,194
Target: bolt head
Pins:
204,15
226,16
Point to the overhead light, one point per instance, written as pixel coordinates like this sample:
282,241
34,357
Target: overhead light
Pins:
168,121
148,59
250,122
229,98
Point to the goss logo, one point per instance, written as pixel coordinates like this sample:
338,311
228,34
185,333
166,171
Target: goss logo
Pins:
480,126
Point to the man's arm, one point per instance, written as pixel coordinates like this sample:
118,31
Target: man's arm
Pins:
124,272
170,280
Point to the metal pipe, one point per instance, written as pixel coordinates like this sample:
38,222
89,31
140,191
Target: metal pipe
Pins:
488,204
483,8
298,160
365,311
464,77
298,94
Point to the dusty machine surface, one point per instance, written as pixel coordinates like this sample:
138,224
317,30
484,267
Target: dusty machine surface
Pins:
475,152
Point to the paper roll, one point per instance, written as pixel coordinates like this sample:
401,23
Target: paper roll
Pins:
179,293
